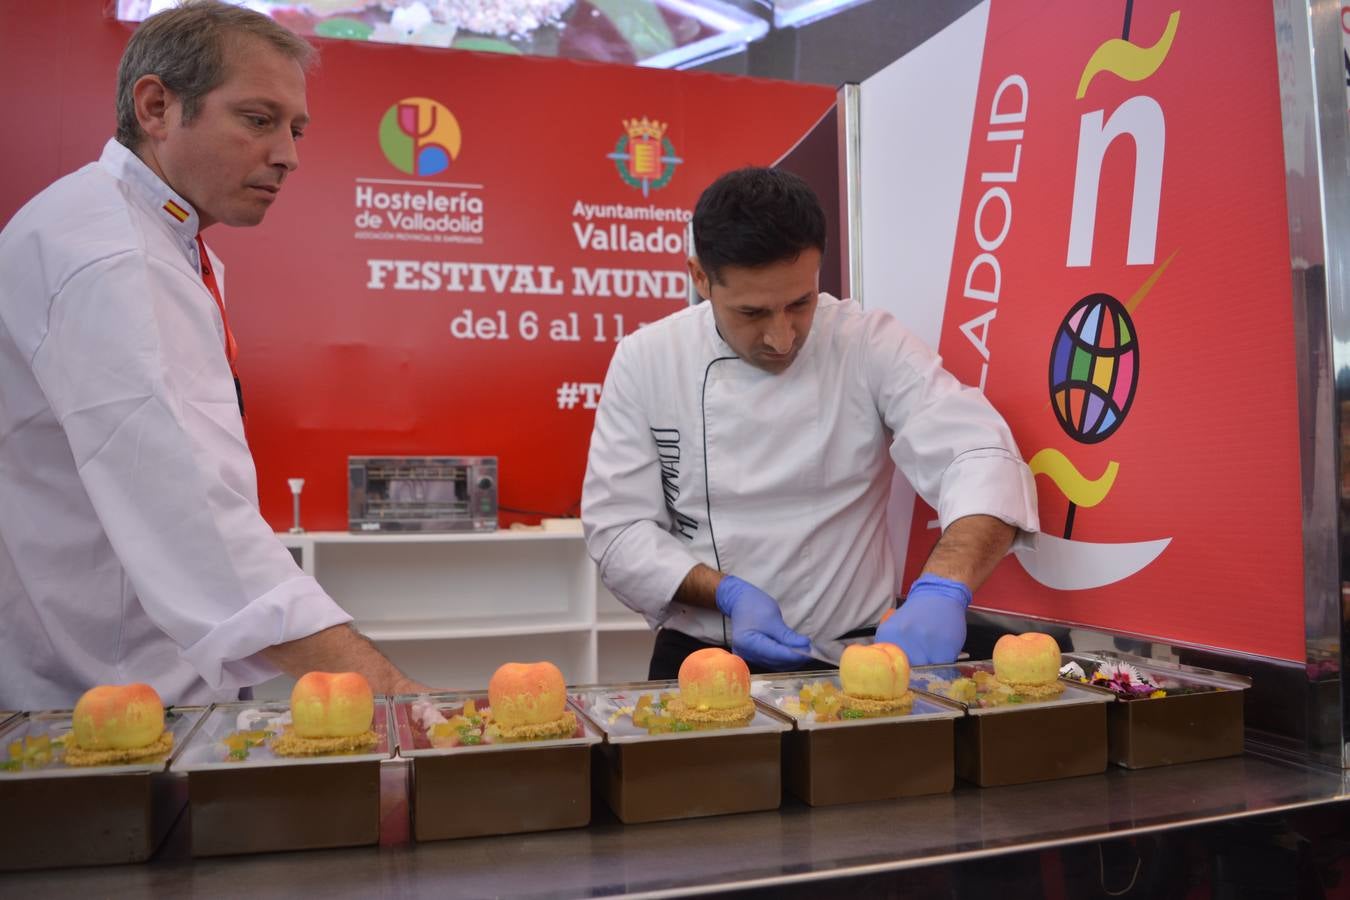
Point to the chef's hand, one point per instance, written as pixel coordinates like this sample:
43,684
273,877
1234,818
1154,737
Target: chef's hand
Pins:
758,633
931,624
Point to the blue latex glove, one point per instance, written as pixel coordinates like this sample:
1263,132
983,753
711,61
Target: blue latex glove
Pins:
758,633
931,624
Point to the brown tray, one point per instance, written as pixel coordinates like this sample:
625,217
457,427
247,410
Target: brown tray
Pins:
854,760
652,778
1201,717
490,789
1019,743
268,803
59,815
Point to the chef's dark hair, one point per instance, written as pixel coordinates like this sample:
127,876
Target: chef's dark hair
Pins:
187,47
754,217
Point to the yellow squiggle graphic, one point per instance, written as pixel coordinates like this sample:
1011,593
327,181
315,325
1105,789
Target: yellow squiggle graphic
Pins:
1127,60
1080,489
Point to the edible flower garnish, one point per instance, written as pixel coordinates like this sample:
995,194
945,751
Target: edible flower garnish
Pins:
1116,676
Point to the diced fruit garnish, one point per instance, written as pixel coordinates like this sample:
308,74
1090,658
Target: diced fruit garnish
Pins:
964,690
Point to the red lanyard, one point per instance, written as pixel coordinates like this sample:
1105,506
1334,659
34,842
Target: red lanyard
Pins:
209,277
231,348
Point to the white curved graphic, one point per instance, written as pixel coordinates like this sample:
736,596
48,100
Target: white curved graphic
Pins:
1082,565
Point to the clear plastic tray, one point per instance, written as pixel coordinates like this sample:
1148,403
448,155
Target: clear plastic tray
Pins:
781,692
1174,678
610,708
413,740
206,749
1074,694
56,725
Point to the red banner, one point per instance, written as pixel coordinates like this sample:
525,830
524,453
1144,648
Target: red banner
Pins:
1120,288
465,240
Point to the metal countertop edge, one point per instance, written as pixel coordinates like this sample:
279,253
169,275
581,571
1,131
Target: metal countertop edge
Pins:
880,868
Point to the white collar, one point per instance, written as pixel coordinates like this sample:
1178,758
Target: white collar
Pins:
130,169
720,347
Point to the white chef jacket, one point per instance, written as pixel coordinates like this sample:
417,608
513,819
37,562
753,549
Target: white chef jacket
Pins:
131,546
783,480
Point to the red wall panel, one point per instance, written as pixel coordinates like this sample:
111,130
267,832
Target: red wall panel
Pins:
332,365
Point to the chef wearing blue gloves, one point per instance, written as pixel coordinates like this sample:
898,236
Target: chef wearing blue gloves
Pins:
743,451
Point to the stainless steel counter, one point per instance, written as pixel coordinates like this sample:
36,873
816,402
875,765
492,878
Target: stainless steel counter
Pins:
793,844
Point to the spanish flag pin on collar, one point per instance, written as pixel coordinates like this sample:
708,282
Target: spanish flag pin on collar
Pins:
178,213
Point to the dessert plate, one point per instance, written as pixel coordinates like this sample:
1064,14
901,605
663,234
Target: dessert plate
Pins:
611,710
18,761
784,692
941,681
416,714
216,745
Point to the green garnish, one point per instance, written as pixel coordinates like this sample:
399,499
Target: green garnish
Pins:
851,714
344,28
240,754
471,739
11,765
683,726
484,45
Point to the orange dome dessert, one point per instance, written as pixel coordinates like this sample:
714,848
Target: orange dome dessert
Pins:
875,679
714,690
331,712
1029,665
528,702
117,723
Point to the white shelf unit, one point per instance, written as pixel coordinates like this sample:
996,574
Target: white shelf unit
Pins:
449,608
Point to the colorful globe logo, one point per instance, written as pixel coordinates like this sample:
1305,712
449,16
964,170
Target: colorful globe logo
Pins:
1094,368
420,136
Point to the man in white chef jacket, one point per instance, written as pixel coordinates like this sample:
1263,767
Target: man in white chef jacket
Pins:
743,449
131,546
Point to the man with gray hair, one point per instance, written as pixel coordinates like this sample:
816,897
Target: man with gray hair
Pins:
131,545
